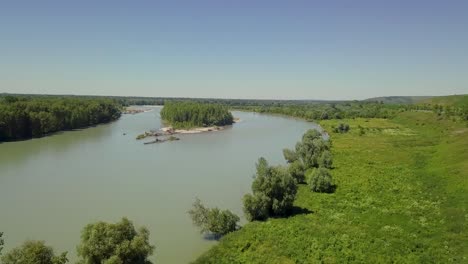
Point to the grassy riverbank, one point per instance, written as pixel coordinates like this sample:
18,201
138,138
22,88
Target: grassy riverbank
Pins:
401,197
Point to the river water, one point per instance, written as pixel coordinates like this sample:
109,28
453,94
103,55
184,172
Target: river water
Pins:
51,187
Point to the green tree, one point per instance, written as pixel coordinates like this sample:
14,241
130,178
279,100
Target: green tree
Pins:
326,159
2,242
33,252
213,220
290,155
193,114
274,191
297,171
321,181
256,207
114,243
311,147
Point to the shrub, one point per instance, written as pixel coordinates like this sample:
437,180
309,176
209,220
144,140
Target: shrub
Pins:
321,181
274,191
213,220
114,243
33,252
342,128
326,160
296,170
290,155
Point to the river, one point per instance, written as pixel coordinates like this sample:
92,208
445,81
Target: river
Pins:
51,187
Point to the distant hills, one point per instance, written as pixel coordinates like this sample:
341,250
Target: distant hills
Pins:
399,99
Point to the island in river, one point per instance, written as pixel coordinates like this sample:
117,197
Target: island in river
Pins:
190,118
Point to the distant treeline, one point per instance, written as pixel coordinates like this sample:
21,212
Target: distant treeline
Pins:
27,117
383,107
192,114
326,111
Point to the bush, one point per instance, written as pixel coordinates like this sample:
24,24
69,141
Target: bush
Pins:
114,243
33,252
290,155
1,243
274,191
342,128
326,160
321,181
311,148
256,207
213,220
296,170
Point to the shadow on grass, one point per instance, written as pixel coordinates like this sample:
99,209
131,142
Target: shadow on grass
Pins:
296,210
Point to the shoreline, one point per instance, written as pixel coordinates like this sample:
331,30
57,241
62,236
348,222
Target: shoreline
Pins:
170,131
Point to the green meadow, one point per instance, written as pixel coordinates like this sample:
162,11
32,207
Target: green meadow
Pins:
401,197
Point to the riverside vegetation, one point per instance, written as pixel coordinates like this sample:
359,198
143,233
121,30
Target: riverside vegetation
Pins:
27,117
101,243
398,195
191,114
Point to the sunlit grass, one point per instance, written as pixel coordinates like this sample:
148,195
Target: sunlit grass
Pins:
401,197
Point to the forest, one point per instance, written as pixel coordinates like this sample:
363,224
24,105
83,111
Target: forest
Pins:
191,114
27,117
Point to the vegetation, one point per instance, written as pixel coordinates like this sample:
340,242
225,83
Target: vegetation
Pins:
213,220
321,181
274,191
401,198
114,243
22,118
2,242
310,151
341,128
33,252
191,114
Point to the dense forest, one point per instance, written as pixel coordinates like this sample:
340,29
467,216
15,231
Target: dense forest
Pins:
191,114
27,117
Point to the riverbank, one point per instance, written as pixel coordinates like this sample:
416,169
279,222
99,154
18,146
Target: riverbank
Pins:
402,194
170,131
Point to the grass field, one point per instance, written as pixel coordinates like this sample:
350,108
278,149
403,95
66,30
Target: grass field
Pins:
401,197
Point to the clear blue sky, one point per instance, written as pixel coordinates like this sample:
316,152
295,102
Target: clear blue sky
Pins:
288,49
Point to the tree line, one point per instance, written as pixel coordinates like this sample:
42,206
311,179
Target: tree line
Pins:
23,117
185,114
101,243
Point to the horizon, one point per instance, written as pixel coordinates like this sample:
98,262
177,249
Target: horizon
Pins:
247,50
231,98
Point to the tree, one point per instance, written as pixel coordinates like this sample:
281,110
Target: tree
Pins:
274,191
213,220
114,243
290,155
310,148
38,116
2,242
34,252
321,180
297,171
326,159
192,114
256,207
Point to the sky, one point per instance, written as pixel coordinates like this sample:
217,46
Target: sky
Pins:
289,49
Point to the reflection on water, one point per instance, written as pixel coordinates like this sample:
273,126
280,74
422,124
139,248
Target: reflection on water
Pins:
51,187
